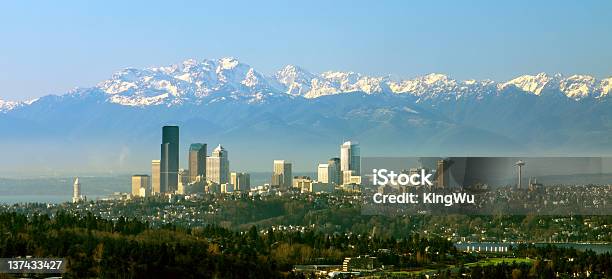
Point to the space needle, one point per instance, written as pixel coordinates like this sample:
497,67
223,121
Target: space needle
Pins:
520,165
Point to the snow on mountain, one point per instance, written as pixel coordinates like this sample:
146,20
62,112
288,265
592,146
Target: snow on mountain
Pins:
577,86
431,83
188,81
213,80
297,81
6,106
530,83
605,86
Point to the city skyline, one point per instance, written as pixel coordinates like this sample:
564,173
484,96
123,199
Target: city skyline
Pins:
206,171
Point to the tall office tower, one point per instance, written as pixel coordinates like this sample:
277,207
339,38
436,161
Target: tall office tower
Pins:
241,181
284,168
350,157
334,176
155,180
441,174
323,173
76,191
277,180
217,166
139,182
197,161
169,159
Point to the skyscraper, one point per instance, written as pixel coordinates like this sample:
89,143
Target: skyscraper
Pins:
76,191
323,173
155,180
241,181
333,167
217,166
281,167
350,158
442,174
140,181
197,161
169,159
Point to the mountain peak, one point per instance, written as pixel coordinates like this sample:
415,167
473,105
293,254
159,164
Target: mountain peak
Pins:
531,83
195,80
577,86
6,105
296,80
435,77
228,63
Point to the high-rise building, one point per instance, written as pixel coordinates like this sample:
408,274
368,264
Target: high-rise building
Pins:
169,159
323,173
350,158
241,181
155,180
76,191
281,167
333,167
217,166
277,180
139,182
442,174
197,161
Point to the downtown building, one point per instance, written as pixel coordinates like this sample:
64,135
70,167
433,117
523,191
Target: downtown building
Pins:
140,185
197,161
334,175
155,177
169,163
281,175
241,181
350,162
217,166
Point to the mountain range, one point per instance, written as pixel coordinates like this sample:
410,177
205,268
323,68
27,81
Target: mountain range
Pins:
302,116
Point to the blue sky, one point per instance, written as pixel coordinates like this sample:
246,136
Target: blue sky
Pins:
50,47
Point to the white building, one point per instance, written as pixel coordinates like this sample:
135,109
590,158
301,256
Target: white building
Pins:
217,166
76,191
350,157
323,173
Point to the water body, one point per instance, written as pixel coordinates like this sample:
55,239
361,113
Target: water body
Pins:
47,199
59,189
595,247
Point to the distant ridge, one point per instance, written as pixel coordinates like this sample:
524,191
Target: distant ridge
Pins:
302,116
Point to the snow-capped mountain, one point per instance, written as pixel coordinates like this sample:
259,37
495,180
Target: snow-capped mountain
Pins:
227,101
7,105
575,87
197,81
211,80
188,81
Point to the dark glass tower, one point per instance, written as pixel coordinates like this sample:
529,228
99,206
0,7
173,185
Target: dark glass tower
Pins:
169,159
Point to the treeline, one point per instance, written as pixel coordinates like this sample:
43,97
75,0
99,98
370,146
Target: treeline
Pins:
95,247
